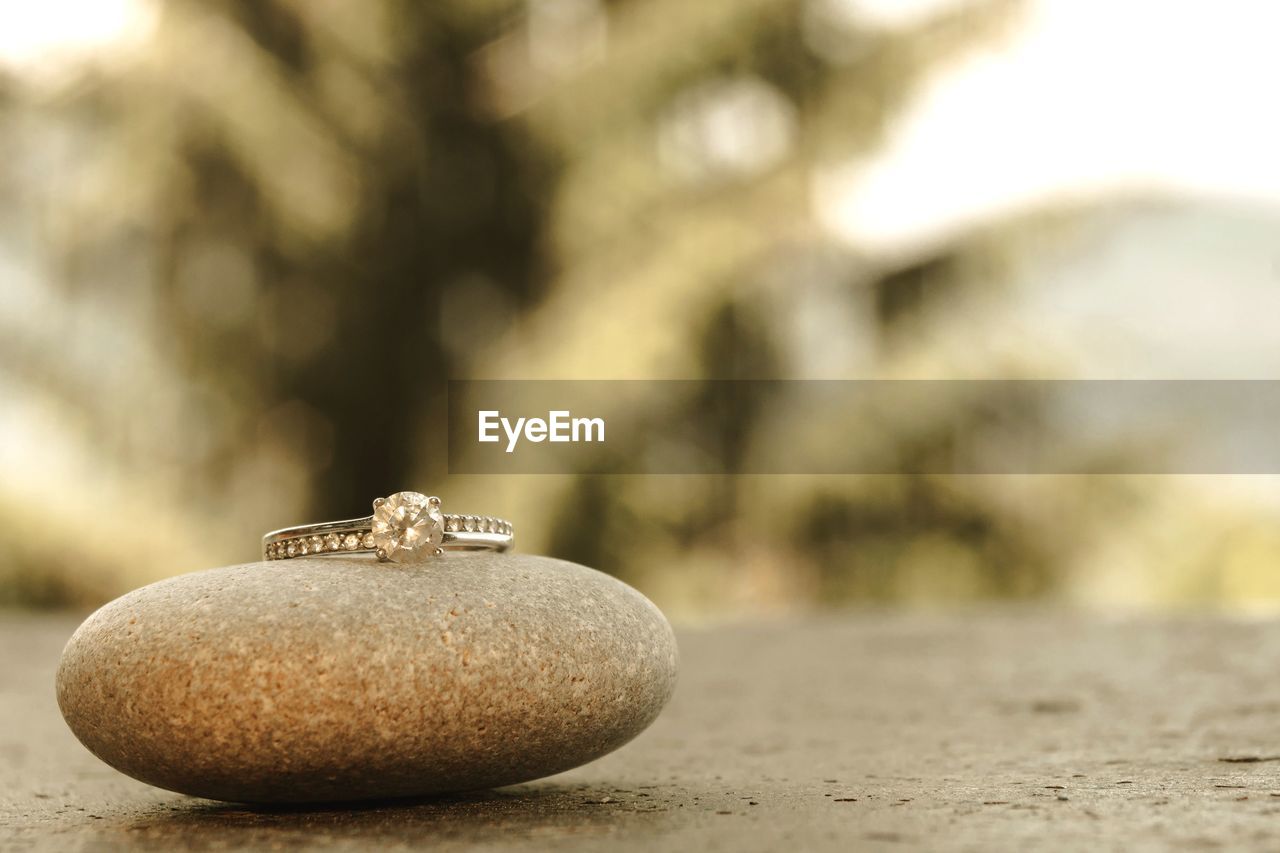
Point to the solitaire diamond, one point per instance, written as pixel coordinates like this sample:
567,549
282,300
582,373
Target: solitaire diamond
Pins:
407,527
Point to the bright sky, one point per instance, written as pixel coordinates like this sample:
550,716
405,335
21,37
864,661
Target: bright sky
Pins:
1091,96
41,37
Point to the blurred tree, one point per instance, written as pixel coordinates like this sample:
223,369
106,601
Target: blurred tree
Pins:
267,237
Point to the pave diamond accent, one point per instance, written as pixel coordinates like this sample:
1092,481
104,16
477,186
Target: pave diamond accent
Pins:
407,527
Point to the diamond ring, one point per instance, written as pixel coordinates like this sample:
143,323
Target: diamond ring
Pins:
407,527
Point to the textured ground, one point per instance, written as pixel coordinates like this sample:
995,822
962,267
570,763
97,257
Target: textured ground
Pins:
999,730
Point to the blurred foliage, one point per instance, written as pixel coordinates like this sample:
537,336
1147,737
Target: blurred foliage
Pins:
251,253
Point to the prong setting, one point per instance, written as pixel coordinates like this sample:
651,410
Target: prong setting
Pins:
407,527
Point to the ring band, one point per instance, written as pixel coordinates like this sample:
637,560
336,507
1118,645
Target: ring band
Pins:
406,527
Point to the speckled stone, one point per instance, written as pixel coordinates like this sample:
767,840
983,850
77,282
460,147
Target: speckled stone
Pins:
336,678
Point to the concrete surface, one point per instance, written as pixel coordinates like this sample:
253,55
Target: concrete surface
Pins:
997,730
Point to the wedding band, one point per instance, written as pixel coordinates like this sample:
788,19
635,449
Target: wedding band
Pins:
407,527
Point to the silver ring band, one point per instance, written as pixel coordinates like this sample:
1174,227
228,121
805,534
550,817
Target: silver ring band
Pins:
405,527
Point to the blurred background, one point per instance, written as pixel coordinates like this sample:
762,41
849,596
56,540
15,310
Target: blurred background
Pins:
244,244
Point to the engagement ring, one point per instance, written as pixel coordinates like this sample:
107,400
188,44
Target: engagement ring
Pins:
406,527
